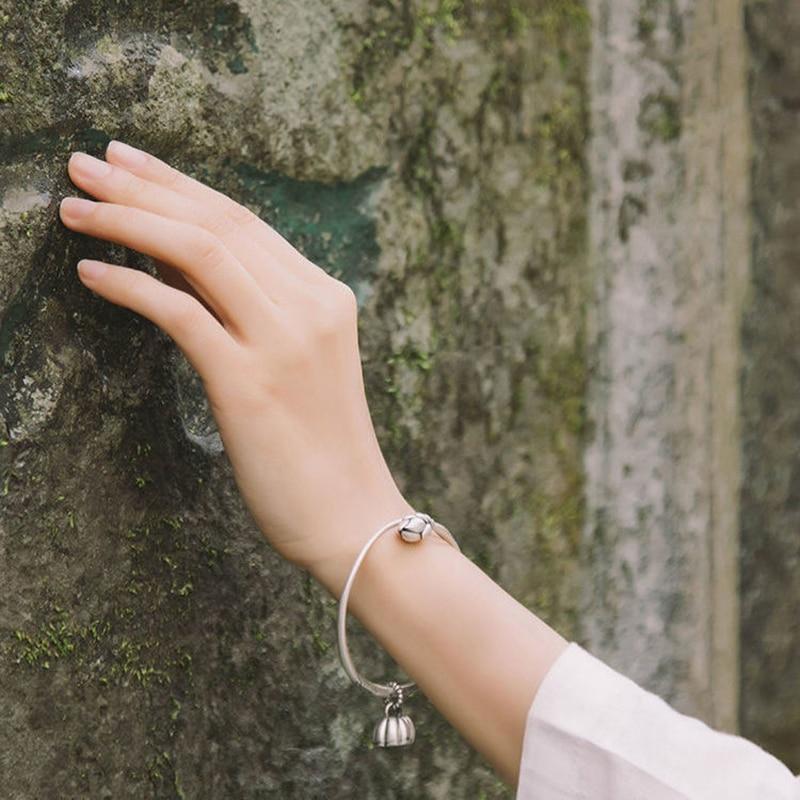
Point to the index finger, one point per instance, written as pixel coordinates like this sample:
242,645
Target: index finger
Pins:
202,258
150,168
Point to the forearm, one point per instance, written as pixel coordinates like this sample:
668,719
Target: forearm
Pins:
274,339
477,653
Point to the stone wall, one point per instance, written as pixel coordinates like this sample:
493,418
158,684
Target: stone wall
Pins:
574,276
670,245
690,545
431,154
770,626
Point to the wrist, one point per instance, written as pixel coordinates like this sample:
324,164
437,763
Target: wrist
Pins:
331,568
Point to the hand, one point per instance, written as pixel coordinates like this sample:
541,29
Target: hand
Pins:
274,339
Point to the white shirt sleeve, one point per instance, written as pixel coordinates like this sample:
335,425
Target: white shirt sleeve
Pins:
594,734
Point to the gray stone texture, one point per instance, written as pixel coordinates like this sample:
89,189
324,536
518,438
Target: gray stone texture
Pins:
690,547
669,224
570,230
430,154
770,515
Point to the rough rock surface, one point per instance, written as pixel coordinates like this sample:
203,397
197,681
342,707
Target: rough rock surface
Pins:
669,258
430,154
770,686
576,322
690,547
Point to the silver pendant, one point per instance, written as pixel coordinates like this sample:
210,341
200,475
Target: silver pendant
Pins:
395,729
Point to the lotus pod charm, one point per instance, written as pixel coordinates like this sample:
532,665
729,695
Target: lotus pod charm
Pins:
395,729
416,527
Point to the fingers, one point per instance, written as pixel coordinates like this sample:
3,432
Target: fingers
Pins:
202,258
222,215
204,342
173,277
112,183
159,172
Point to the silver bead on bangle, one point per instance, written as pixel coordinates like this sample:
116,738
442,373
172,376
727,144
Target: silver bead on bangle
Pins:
395,728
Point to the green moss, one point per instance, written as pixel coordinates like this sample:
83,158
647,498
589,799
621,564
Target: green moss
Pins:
411,356
444,18
558,22
645,27
357,96
561,18
384,35
496,790
562,380
659,115
561,135
389,31
99,651
403,391
139,459
519,23
328,223
557,525
440,256
56,638
125,647
631,209
321,612
558,379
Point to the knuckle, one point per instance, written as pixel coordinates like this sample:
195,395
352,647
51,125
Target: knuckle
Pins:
229,217
217,223
240,215
291,357
186,316
172,177
337,311
102,215
209,250
347,297
131,285
129,184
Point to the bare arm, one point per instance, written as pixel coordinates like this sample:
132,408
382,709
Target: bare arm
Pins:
274,340
477,653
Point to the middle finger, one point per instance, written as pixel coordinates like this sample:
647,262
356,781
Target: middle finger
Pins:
204,260
116,184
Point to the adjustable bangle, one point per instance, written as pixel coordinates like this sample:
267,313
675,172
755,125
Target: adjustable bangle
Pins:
395,728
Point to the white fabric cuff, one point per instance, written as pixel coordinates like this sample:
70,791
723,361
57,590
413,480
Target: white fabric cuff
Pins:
594,734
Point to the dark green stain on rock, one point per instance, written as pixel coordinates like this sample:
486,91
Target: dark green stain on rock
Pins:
331,224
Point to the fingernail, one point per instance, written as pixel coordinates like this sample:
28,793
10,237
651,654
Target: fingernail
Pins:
91,270
76,207
125,154
89,166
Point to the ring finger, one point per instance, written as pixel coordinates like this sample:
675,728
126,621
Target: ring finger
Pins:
203,259
115,184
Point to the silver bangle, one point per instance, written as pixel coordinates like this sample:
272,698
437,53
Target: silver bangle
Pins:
395,728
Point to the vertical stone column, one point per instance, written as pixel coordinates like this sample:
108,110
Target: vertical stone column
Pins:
770,512
669,244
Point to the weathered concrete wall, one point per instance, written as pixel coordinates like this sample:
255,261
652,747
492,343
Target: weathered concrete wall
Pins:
431,153
577,349
770,688
690,542
670,244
